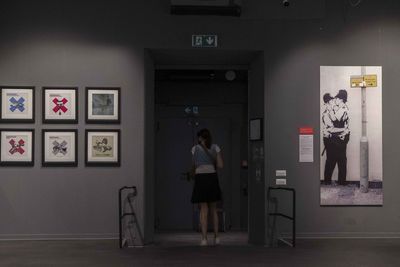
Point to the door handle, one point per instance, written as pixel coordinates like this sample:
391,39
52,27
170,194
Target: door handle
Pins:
185,176
245,190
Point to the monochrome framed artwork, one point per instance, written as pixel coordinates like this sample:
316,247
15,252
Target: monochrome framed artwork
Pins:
103,105
17,104
17,147
60,104
255,129
351,156
59,148
102,148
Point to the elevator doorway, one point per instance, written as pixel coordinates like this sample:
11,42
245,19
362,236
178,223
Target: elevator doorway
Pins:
187,101
166,120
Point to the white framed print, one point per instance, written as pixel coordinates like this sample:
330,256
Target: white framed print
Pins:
60,104
59,148
16,146
103,105
17,104
102,147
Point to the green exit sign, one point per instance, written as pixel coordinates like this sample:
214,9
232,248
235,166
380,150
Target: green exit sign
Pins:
204,40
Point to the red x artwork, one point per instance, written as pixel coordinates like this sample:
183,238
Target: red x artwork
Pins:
17,147
60,105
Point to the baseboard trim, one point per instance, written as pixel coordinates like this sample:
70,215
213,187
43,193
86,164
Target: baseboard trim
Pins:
345,235
115,236
43,237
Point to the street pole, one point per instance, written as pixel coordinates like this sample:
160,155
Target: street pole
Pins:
364,168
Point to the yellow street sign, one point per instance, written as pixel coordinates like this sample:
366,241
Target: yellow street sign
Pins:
370,80
356,81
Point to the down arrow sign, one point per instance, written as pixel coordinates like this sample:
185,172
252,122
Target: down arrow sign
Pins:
209,40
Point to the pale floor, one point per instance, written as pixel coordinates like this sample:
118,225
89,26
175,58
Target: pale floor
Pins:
182,250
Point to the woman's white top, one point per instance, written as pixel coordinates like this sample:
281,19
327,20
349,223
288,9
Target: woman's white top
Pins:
202,161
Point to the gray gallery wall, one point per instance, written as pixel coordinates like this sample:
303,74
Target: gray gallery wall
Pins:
99,43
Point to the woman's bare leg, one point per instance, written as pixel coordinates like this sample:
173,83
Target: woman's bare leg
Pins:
203,219
214,214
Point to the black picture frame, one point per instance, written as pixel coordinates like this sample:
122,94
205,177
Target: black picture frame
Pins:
60,163
16,120
91,163
60,121
29,163
89,117
256,130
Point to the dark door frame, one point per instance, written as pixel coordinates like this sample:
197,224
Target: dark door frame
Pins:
256,109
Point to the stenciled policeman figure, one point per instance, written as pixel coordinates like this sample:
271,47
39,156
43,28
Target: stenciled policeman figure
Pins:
336,135
327,129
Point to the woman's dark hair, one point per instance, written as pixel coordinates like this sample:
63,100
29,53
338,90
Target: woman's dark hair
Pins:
206,135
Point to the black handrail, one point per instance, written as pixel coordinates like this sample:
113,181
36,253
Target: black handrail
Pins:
123,214
293,217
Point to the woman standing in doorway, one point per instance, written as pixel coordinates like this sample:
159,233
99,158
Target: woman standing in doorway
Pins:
206,192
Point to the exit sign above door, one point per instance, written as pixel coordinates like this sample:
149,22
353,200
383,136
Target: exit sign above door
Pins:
204,40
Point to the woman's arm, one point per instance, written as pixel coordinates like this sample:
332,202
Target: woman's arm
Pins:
193,150
220,162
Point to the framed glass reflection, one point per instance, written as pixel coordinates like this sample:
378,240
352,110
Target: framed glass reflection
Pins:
256,129
103,105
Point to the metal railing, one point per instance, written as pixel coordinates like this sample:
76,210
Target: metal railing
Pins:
123,214
279,214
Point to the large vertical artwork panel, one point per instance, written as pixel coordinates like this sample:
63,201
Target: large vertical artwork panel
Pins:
351,136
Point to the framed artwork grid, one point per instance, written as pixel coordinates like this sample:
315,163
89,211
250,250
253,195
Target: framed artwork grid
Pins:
59,147
17,147
17,104
60,104
103,147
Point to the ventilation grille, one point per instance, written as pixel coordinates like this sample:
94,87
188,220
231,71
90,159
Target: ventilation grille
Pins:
206,7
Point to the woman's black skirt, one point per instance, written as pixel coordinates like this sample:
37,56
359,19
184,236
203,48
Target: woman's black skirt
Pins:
206,188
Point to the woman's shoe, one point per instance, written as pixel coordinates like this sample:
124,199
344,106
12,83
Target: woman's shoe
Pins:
216,241
203,242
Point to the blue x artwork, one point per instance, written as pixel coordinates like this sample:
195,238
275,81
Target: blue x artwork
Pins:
17,104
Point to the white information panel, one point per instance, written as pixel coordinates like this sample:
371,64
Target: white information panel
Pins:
306,148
